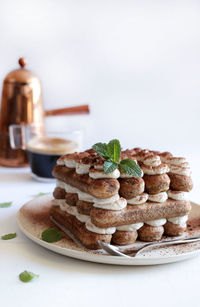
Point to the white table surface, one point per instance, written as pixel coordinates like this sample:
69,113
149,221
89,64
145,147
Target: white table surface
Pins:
68,282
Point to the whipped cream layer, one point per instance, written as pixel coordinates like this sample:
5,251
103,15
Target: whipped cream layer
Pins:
157,223
70,209
138,200
82,169
104,231
158,198
97,174
119,204
130,227
70,163
82,217
179,161
152,160
85,196
180,170
155,170
179,220
60,162
177,195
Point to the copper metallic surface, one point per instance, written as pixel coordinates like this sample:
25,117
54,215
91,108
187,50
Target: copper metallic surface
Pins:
21,104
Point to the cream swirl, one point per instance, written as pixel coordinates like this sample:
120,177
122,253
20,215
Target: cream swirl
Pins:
130,227
158,198
82,217
138,200
70,163
72,210
117,205
180,170
64,206
60,184
178,161
82,169
157,223
96,174
177,195
155,170
179,220
60,161
91,227
152,160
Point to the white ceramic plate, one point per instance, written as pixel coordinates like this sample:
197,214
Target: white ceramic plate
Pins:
33,218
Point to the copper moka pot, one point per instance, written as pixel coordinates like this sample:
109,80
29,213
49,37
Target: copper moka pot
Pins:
21,104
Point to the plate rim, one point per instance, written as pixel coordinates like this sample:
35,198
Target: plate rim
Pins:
102,259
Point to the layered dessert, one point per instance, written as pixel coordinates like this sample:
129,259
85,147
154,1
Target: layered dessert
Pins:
120,196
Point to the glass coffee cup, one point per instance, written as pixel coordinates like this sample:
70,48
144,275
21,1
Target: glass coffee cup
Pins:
44,147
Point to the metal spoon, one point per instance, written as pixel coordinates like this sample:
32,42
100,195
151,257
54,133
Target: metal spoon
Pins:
114,251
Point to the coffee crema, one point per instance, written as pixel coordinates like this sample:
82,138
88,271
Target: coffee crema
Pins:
44,152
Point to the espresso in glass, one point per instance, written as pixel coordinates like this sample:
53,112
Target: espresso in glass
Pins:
43,153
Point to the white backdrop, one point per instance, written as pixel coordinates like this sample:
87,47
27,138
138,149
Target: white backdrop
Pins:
136,62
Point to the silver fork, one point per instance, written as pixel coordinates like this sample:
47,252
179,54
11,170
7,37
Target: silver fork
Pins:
115,251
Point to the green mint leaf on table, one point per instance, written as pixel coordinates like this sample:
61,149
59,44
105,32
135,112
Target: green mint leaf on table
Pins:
114,150
130,167
6,204
51,235
9,236
102,150
27,276
109,167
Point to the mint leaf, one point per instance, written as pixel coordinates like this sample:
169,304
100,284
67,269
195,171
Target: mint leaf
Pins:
109,167
27,276
114,150
51,235
130,167
9,236
102,150
6,204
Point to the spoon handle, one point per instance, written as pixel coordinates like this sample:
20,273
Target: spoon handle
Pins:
172,242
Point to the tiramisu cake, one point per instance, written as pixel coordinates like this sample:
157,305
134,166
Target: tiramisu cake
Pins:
118,196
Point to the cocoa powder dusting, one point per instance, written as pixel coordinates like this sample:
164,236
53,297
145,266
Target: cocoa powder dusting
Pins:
35,218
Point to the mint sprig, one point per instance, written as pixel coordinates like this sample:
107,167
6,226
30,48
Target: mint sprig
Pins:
111,153
130,167
27,276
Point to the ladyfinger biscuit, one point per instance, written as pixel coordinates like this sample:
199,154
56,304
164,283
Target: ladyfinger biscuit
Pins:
87,238
99,188
149,233
84,207
71,198
180,182
155,184
174,229
124,237
131,187
59,193
139,213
